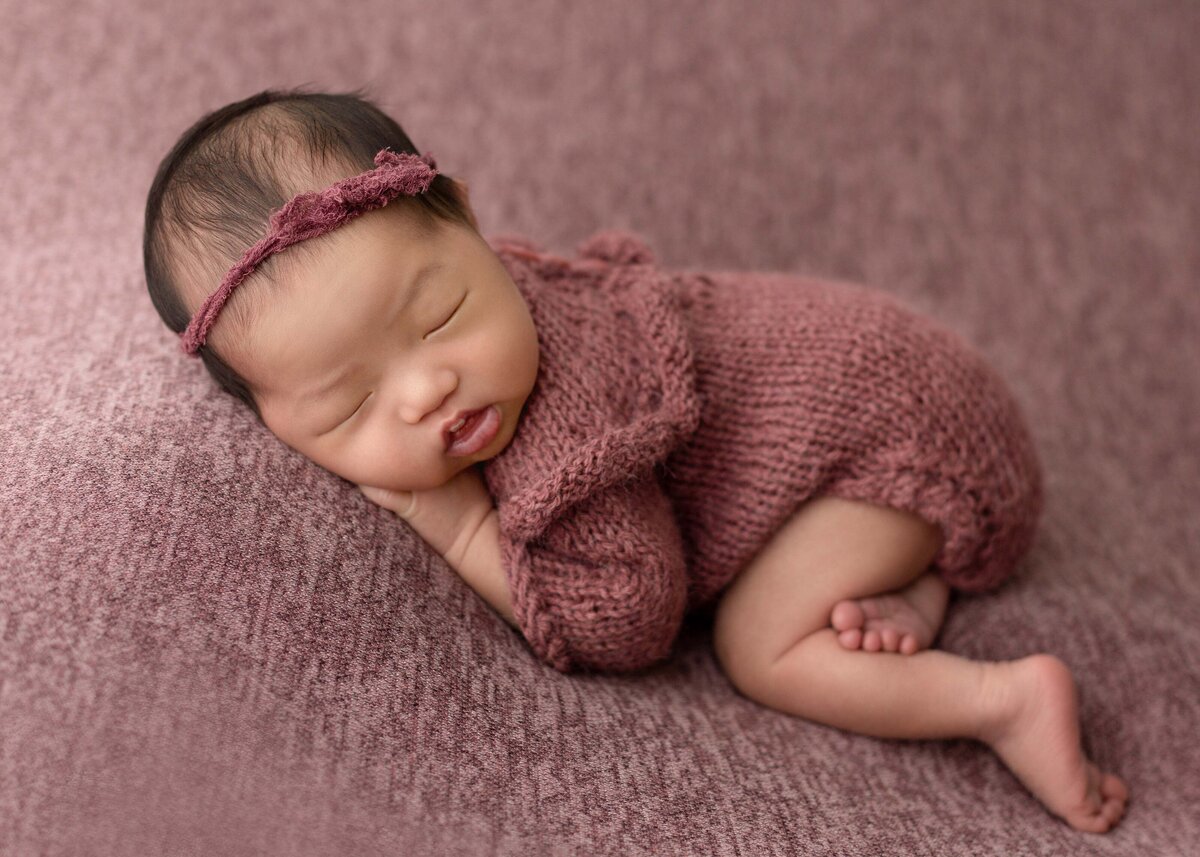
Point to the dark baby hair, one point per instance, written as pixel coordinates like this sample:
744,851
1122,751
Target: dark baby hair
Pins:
215,190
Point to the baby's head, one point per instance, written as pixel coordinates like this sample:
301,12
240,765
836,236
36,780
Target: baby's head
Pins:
356,347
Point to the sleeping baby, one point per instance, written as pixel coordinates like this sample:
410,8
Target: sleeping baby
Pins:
599,446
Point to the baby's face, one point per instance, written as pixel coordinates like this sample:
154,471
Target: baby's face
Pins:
365,353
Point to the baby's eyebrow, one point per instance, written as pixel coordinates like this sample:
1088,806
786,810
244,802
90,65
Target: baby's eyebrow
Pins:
414,286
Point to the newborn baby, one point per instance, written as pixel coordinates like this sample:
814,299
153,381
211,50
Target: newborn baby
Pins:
598,445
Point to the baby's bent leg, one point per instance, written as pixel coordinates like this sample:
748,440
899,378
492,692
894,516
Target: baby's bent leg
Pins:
772,637
828,551
772,634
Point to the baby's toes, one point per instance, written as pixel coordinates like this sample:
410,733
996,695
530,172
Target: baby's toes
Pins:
909,645
891,639
871,641
847,615
1112,786
1114,793
850,639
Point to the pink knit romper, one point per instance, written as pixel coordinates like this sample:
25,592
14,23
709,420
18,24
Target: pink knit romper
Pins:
680,418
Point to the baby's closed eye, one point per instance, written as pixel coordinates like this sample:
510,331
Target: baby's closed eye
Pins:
453,313
440,326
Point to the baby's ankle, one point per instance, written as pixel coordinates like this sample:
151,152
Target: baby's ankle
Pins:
1004,691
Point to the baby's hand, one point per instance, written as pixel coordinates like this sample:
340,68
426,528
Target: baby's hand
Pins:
446,517
400,502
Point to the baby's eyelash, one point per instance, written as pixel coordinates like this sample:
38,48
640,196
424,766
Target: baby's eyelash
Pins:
453,313
352,413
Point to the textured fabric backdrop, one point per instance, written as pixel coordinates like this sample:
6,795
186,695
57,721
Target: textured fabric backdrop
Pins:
1026,172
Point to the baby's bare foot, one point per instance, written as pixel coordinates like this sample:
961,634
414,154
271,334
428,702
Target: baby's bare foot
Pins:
1037,736
904,621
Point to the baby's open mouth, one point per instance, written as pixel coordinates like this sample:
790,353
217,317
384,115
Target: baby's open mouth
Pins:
473,431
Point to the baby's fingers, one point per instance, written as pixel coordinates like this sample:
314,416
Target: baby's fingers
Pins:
400,502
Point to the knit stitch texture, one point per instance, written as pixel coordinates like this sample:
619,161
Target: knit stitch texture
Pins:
679,419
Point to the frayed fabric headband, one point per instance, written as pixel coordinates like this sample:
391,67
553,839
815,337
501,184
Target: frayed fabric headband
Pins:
308,215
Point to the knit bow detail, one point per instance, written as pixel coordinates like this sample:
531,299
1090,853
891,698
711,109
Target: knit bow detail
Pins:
618,246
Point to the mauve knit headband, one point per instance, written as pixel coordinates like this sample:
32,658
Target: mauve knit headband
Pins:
308,215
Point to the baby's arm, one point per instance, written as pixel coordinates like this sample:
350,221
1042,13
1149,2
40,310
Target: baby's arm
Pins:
459,520
604,583
481,567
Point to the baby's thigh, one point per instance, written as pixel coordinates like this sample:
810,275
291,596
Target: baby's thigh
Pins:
829,550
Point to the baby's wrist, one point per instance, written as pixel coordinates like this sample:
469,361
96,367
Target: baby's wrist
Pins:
480,565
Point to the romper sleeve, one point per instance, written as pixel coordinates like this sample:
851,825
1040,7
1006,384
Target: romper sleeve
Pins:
591,548
604,587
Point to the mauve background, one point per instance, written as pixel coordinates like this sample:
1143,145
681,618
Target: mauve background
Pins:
209,645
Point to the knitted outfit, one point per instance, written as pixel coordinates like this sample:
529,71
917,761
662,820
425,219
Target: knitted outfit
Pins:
680,418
